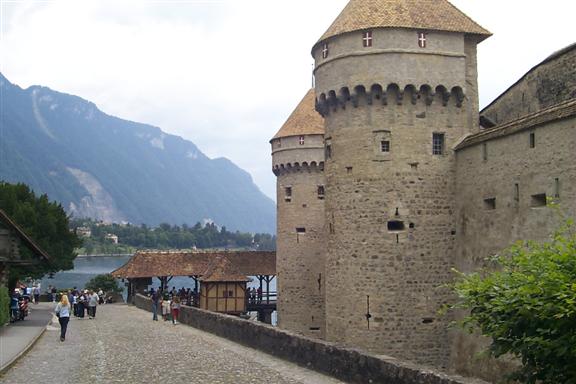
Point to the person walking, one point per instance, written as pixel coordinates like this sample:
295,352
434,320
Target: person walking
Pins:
63,312
92,303
175,306
155,299
36,293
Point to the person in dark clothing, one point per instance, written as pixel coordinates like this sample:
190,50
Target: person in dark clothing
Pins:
155,299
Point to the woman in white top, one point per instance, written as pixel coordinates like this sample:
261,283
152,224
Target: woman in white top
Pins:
63,312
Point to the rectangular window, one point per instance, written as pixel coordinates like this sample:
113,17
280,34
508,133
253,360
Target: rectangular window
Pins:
556,187
321,192
532,140
490,204
437,143
422,39
328,151
367,39
484,152
324,50
288,194
385,146
301,140
538,200
300,230
516,192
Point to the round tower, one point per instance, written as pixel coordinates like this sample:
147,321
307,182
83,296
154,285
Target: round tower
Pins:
298,162
396,85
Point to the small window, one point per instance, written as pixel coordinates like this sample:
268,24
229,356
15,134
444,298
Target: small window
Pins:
490,204
279,143
484,152
324,50
437,143
301,140
395,226
288,194
300,230
556,187
328,151
538,200
532,140
422,39
385,146
321,192
367,39
516,192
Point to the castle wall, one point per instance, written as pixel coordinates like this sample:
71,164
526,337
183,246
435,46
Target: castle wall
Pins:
549,83
391,229
301,234
512,173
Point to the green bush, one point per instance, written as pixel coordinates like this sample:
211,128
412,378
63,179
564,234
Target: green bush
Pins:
4,306
527,306
105,282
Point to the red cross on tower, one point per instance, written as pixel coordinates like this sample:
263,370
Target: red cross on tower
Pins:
422,39
325,50
367,39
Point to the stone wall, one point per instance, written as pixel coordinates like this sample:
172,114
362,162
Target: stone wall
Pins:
549,83
501,188
350,365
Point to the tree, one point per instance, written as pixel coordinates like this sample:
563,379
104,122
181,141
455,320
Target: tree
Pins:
105,282
46,223
527,306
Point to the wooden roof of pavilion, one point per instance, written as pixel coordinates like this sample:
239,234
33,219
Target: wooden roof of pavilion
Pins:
222,270
198,263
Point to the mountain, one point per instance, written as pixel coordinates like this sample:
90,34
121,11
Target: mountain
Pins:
116,170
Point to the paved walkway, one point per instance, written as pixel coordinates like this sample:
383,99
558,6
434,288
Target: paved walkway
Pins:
17,337
123,345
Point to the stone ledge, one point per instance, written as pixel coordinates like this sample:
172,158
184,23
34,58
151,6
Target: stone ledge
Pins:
347,364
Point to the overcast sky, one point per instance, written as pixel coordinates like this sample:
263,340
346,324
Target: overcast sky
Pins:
226,74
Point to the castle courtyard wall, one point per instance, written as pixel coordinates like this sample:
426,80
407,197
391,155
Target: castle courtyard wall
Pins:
495,184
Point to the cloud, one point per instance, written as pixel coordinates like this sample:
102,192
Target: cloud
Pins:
226,74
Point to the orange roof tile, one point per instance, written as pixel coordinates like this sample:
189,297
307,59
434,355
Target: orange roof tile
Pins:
304,120
222,270
437,15
170,263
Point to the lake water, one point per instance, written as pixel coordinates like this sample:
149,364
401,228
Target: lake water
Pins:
86,267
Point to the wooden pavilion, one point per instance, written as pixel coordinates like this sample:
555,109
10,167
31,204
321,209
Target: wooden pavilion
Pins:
211,268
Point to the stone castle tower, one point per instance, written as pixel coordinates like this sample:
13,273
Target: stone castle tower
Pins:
298,162
396,83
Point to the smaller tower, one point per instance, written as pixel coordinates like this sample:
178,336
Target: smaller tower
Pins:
298,163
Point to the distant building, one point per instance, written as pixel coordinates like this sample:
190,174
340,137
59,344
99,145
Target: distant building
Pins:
111,238
83,232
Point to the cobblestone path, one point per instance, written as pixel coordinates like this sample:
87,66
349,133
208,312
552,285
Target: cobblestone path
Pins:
124,345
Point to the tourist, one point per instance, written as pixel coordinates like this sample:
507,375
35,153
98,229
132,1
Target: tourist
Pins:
155,298
81,305
175,305
63,312
165,307
54,293
100,296
49,292
36,293
92,303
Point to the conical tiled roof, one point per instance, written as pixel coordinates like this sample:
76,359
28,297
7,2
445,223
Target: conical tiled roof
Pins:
304,120
437,15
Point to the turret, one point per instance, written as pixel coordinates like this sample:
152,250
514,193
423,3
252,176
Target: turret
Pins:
298,162
396,85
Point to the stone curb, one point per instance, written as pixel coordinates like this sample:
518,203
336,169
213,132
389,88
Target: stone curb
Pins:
23,352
